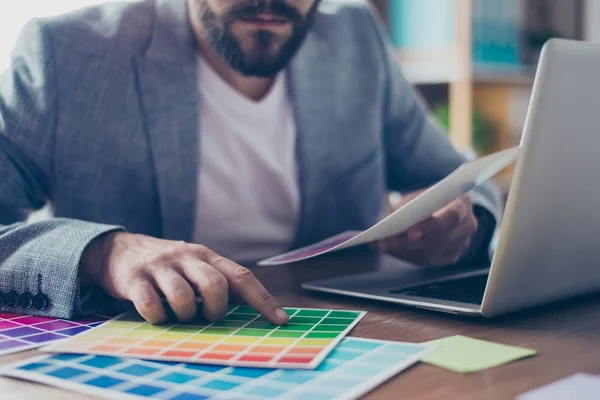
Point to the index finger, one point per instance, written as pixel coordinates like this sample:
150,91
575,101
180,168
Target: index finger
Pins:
242,281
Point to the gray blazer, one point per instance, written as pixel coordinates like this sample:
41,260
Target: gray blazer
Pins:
98,116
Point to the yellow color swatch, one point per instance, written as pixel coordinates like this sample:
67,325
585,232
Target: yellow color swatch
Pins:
97,332
119,325
205,338
314,342
137,334
241,339
278,341
171,336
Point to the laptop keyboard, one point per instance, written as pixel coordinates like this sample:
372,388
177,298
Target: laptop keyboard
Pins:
464,290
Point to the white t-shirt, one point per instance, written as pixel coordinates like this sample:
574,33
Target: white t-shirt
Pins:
248,201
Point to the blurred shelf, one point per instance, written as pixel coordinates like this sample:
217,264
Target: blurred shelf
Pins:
504,76
437,70
428,74
435,67
423,73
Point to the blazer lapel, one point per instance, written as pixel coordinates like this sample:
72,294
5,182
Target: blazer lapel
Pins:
167,74
312,87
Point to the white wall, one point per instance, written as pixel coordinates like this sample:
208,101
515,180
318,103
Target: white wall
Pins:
14,14
591,16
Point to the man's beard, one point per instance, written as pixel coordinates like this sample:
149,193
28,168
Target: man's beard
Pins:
260,60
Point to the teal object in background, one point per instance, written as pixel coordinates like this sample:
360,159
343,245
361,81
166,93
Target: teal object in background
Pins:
429,25
422,24
497,32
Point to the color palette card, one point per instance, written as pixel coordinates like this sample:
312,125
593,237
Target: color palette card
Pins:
243,338
354,368
24,332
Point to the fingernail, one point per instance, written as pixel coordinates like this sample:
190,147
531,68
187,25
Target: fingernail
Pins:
281,314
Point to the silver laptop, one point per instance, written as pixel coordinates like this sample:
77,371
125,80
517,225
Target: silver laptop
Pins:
548,245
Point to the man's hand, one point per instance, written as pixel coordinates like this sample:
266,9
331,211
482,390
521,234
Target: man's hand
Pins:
440,240
138,268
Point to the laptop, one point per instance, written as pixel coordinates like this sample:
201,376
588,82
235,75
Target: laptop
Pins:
548,243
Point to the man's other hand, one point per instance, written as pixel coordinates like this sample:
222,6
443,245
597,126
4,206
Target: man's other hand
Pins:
137,268
440,240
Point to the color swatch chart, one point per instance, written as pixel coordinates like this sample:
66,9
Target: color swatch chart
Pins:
24,332
354,368
243,338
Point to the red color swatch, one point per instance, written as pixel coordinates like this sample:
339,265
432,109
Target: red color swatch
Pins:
296,359
257,357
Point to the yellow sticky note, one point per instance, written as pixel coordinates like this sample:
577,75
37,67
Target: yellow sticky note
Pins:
464,355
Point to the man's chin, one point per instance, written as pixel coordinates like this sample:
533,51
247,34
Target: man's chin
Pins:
259,63
259,53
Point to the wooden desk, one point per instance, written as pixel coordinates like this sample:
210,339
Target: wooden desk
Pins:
566,336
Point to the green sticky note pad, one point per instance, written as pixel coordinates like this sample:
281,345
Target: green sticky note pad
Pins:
464,355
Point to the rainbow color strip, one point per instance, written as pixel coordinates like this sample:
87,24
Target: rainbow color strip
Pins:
243,338
354,368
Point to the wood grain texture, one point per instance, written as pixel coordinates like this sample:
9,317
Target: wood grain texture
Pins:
461,91
566,336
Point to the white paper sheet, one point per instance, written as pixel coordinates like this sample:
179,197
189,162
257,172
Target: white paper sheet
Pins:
462,180
579,386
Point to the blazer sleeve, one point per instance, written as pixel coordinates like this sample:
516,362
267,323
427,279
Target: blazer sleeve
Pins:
418,152
39,261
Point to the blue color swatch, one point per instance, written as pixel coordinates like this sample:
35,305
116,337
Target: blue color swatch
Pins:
105,381
218,384
100,362
138,370
354,368
67,373
145,390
